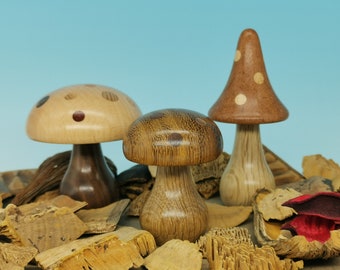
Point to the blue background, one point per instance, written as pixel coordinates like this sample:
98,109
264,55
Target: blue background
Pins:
170,54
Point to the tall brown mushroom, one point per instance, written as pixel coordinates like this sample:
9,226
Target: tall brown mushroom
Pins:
173,139
247,100
84,115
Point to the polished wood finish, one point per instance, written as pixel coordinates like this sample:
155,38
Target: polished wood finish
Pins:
248,100
248,97
174,209
173,139
84,115
88,177
247,169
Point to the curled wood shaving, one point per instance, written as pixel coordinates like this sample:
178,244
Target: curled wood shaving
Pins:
271,207
104,219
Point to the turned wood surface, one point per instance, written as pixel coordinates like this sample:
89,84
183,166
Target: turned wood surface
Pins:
248,97
88,177
247,169
174,208
80,114
173,137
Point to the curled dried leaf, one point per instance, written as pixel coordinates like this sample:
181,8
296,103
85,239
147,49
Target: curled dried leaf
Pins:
268,231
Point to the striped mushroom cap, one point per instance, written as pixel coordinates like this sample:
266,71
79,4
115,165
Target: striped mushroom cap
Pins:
82,114
248,97
173,137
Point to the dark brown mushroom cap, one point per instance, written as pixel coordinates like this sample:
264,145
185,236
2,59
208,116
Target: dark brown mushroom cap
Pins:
173,137
248,97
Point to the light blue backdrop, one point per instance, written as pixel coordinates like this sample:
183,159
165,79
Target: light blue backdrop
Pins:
170,54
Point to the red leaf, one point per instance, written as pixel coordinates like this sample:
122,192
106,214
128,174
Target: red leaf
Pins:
312,227
322,204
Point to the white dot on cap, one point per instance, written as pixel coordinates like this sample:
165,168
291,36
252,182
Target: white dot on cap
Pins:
237,55
240,99
258,78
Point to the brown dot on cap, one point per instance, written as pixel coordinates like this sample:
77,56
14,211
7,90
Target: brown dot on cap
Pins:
175,139
110,96
90,85
42,101
78,116
70,96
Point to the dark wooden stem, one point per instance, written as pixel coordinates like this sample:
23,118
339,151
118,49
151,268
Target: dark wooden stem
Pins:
88,177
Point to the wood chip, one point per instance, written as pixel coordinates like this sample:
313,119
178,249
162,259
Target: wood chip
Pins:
270,205
232,249
175,255
103,251
318,165
104,219
282,171
142,239
136,206
42,228
15,257
12,182
227,216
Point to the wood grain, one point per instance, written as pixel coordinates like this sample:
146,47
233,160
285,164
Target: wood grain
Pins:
81,114
174,209
247,169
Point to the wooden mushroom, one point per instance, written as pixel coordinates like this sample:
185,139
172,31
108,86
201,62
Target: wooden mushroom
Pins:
248,100
173,139
84,115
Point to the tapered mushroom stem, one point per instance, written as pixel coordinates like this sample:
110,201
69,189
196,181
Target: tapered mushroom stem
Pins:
88,177
247,169
174,209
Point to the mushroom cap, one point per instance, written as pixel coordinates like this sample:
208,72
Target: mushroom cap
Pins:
173,137
82,114
248,97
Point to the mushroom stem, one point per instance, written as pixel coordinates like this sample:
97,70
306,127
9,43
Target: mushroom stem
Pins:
247,169
88,177
174,209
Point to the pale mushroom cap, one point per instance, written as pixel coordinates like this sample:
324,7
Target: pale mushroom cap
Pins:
173,137
248,97
82,114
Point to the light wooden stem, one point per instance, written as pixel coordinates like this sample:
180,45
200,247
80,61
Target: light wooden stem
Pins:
247,169
174,209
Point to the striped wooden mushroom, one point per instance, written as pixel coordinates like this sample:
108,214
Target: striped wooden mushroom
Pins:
173,139
84,115
247,100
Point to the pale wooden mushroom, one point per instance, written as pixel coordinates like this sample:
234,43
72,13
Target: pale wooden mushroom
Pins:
84,115
173,139
247,100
